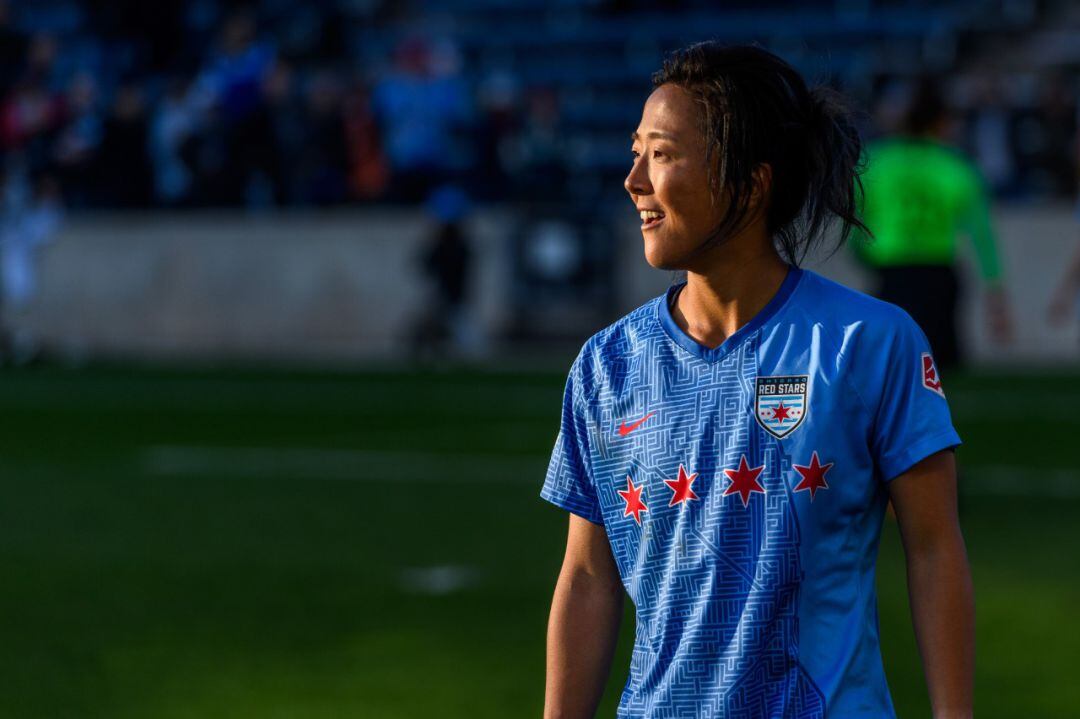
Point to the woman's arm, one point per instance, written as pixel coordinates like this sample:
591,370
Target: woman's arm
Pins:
939,581
584,624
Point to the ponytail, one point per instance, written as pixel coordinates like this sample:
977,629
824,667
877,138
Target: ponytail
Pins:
757,109
834,165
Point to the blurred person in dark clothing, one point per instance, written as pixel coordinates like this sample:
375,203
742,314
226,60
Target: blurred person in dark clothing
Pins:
124,178
287,121
233,84
446,262
918,195
495,134
323,164
78,144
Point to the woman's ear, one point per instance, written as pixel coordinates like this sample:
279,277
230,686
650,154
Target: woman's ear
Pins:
762,184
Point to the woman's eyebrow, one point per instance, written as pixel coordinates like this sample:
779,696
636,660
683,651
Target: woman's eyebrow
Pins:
653,135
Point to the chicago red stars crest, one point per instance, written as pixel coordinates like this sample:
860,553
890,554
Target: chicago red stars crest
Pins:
780,404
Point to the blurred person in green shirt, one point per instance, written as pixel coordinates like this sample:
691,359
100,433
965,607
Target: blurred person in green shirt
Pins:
919,195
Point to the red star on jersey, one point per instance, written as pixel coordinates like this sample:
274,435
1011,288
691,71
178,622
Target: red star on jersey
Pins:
813,477
681,487
744,480
780,412
632,495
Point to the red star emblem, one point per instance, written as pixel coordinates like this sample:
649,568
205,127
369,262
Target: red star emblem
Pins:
632,495
681,487
813,477
780,412
744,480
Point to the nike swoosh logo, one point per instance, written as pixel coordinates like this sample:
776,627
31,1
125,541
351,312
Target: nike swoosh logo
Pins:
625,429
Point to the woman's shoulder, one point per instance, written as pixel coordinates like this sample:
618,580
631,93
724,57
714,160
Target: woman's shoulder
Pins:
864,338
841,308
608,351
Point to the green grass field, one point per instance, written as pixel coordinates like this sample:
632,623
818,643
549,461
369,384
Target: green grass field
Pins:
261,544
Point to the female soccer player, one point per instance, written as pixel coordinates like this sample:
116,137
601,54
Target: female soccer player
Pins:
728,449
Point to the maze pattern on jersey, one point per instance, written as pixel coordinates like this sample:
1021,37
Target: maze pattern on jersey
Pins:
715,583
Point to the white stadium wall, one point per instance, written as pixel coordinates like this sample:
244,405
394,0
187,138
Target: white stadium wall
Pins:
345,286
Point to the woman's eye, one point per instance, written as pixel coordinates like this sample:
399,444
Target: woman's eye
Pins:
657,153
635,154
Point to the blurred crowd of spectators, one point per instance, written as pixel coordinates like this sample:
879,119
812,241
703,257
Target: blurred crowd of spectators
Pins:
200,103
175,104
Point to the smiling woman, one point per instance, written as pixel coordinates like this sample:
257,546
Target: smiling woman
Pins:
728,449
726,129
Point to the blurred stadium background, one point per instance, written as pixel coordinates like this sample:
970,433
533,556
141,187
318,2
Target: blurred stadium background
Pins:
289,290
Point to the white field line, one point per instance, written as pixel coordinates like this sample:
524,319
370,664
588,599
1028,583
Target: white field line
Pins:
344,464
439,580
441,468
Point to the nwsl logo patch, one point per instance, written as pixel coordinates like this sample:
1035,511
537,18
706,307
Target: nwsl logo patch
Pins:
930,378
780,404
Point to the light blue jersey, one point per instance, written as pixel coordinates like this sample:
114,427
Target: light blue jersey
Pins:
743,488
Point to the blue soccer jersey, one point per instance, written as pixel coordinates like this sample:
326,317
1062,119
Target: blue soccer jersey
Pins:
743,488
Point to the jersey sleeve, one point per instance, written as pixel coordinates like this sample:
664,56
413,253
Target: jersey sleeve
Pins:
912,419
569,482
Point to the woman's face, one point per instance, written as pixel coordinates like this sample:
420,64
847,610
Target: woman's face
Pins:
670,177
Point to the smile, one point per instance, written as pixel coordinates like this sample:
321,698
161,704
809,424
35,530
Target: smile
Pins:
650,219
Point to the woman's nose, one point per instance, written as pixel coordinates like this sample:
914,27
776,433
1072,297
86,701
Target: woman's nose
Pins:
637,181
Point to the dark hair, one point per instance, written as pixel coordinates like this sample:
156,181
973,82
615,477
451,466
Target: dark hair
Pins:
926,108
757,109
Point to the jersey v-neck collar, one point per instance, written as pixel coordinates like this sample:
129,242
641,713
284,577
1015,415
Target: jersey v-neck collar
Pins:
711,354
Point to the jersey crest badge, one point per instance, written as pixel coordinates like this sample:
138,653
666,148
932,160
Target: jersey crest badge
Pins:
780,404
930,378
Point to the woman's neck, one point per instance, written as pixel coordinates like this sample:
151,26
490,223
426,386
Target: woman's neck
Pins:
727,293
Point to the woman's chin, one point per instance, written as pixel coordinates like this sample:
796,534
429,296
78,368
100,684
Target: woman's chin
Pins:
661,257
